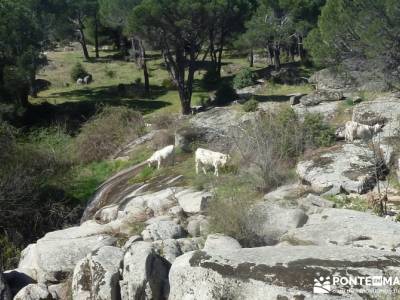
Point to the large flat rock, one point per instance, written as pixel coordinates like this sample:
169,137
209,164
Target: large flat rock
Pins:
273,272
328,110
214,126
346,227
385,109
53,257
344,167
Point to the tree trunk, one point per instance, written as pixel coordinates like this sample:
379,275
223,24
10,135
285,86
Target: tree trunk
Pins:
23,95
220,51
271,54
219,61
82,39
176,64
185,103
251,58
32,86
277,60
300,48
96,35
291,53
145,70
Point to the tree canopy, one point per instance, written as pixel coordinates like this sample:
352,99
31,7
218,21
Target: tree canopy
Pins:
361,29
179,29
22,38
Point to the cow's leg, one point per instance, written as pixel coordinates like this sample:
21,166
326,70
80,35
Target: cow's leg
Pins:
204,169
158,163
197,166
216,170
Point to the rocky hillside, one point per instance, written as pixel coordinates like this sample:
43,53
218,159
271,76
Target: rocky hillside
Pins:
150,237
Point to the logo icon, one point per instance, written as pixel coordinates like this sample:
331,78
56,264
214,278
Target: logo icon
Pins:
322,285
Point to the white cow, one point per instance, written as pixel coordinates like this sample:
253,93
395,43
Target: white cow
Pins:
355,130
162,156
206,157
79,81
87,79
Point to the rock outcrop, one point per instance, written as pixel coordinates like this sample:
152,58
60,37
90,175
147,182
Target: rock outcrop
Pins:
170,249
215,125
344,227
343,168
274,272
144,273
384,110
354,75
34,292
97,275
163,229
193,202
54,256
328,110
320,96
268,221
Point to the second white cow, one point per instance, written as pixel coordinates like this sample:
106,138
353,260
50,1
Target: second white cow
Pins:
355,130
204,157
162,156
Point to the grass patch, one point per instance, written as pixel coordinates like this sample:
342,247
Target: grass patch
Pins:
82,181
10,253
233,198
145,174
344,201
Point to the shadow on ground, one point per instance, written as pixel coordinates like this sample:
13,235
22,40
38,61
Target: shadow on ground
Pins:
73,114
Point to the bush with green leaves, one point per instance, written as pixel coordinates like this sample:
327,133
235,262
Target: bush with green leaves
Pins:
318,133
233,198
78,71
225,94
243,79
210,79
33,202
168,84
250,105
10,253
106,132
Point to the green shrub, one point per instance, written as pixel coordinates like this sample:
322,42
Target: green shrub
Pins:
168,84
225,94
10,253
29,187
232,199
106,132
244,78
78,71
145,174
269,148
210,79
250,105
109,73
317,132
